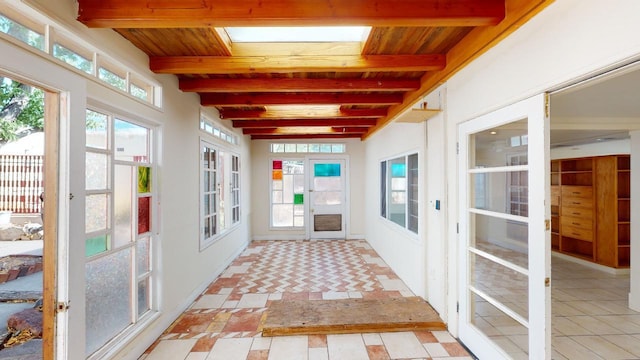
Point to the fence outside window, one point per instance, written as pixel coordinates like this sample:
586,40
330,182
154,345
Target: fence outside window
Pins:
21,183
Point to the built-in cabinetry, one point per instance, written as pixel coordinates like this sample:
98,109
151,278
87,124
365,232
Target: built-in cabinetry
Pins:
590,208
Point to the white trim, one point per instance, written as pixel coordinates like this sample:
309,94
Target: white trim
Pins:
591,265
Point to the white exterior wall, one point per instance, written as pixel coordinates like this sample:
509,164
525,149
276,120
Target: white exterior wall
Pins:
183,271
260,218
401,249
560,45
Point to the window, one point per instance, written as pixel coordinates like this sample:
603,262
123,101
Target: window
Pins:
119,238
287,193
216,215
518,186
308,148
399,186
210,127
22,33
70,49
235,189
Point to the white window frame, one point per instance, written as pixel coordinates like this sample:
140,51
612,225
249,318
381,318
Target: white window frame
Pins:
386,191
271,191
226,192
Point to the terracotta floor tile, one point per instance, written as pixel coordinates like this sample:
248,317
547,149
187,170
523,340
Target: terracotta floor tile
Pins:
455,349
243,321
258,355
317,341
291,270
192,323
377,352
425,337
295,296
204,344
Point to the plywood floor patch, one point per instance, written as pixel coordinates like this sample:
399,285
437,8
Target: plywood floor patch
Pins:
343,316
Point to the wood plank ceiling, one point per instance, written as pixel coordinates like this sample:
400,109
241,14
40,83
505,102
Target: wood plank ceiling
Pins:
283,90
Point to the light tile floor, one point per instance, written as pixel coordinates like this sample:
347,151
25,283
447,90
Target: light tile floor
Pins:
224,322
591,319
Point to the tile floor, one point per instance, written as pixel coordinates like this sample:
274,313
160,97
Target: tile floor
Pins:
224,322
591,319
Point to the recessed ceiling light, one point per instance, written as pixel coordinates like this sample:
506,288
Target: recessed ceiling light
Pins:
493,132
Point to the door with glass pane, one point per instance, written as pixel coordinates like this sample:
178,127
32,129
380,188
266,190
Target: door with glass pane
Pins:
327,199
504,238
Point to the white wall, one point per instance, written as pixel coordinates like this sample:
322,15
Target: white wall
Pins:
558,46
183,270
401,249
613,147
261,157
634,295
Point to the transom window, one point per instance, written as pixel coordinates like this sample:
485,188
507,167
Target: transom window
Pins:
308,148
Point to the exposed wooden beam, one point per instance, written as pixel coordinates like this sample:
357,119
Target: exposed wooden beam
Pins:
219,13
351,122
293,64
297,85
476,43
305,130
260,99
301,113
223,38
303,136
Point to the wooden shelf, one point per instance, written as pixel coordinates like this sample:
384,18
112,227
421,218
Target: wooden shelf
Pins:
417,115
594,208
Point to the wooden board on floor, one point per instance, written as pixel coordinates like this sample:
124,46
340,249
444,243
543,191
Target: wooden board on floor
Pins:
344,316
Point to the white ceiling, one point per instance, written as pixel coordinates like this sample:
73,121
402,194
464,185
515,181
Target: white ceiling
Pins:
602,109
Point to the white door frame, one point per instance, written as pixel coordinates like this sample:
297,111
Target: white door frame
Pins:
310,233
534,109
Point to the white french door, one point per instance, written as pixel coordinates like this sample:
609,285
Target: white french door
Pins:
504,239
327,200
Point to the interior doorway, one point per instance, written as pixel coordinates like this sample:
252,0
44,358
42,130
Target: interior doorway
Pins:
592,124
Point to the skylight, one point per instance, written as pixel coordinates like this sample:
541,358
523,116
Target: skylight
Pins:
299,34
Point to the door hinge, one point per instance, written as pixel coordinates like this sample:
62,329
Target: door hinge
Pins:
547,106
457,148
457,228
457,307
547,282
547,224
62,306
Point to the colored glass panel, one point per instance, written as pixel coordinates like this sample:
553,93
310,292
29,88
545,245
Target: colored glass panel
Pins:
144,179
277,175
277,164
96,245
144,214
298,199
326,169
398,170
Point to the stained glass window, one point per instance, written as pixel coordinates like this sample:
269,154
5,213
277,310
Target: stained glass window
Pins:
326,170
287,199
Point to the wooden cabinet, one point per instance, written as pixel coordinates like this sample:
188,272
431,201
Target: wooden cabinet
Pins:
590,208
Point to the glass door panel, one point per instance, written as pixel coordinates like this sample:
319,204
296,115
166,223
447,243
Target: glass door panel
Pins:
327,199
503,310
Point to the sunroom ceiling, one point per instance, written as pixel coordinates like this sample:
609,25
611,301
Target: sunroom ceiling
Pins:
295,90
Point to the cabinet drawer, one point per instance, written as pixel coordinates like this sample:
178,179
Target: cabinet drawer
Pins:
583,212
579,222
555,195
577,191
577,233
569,201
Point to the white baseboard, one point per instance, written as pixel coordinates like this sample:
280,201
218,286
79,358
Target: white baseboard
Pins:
609,270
